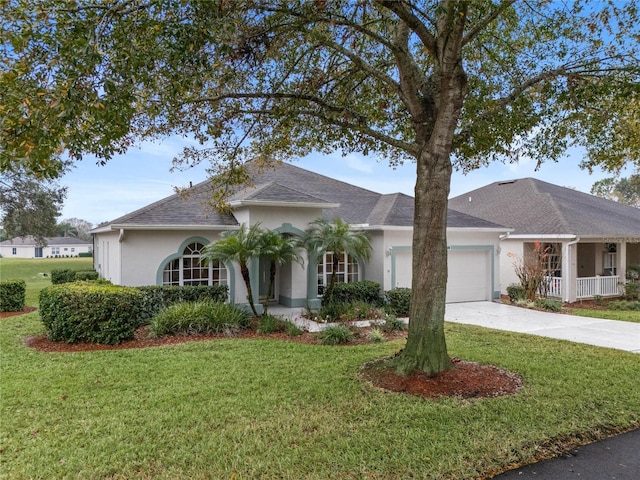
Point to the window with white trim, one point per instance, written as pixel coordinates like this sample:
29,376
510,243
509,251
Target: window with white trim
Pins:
55,250
348,270
190,269
610,259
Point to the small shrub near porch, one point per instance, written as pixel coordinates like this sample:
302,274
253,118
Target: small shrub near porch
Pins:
203,317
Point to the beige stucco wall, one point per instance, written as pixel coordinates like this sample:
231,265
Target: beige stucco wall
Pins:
273,217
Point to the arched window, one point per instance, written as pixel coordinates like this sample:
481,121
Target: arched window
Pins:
190,269
348,270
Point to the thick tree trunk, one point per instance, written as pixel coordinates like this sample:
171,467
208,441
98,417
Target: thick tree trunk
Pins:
426,347
435,118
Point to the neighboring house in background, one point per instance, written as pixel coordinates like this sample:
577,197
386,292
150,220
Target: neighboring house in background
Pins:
29,247
161,243
591,241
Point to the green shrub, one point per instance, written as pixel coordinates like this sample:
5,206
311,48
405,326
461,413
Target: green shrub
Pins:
206,316
332,312
12,295
156,298
62,275
335,335
83,312
293,330
624,305
350,311
548,304
271,324
84,275
399,301
632,290
392,324
516,292
364,291
376,335
85,254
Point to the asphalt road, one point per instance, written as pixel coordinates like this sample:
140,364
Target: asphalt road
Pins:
614,458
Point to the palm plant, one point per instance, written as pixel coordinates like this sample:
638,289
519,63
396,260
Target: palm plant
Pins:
279,250
238,246
336,237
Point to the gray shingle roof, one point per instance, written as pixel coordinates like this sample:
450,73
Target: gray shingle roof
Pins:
274,192
535,207
286,183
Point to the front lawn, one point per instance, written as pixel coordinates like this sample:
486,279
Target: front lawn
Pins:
37,272
244,409
625,316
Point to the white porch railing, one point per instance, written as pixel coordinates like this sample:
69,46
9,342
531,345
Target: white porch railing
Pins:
553,287
597,286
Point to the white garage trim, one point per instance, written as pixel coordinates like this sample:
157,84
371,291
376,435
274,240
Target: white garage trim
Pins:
490,249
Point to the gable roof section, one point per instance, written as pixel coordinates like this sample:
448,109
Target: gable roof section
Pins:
275,194
287,185
534,207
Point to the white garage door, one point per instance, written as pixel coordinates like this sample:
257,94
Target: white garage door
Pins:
469,276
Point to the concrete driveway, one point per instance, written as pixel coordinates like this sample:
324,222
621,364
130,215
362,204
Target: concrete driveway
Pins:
592,331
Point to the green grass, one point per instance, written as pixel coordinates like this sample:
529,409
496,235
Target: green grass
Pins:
625,316
245,409
32,270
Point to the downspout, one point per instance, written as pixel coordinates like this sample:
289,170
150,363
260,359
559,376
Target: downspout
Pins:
120,240
566,268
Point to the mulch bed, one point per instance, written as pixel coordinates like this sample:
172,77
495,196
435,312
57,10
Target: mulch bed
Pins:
11,314
464,379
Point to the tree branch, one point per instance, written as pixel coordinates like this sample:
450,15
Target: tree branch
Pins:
482,24
410,148
412,21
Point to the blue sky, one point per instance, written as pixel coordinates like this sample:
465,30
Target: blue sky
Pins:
142,176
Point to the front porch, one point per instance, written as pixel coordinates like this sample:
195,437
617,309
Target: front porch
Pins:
586,287
590,268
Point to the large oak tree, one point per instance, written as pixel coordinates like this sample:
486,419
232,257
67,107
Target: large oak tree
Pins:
445,84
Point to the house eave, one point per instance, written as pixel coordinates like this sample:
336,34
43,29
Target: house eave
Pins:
260,203
545,236
116,227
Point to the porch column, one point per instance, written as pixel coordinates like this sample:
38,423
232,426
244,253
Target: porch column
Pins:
622,261
569,270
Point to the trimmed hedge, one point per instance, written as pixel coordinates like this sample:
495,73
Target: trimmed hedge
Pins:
62,275
157,298
399,301
85,275
364,291
90,313
12,295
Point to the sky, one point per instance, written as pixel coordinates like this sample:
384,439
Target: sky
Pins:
142,176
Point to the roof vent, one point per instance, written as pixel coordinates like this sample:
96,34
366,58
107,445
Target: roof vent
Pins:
508,182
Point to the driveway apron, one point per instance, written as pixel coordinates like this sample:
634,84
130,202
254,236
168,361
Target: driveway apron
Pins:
592,331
